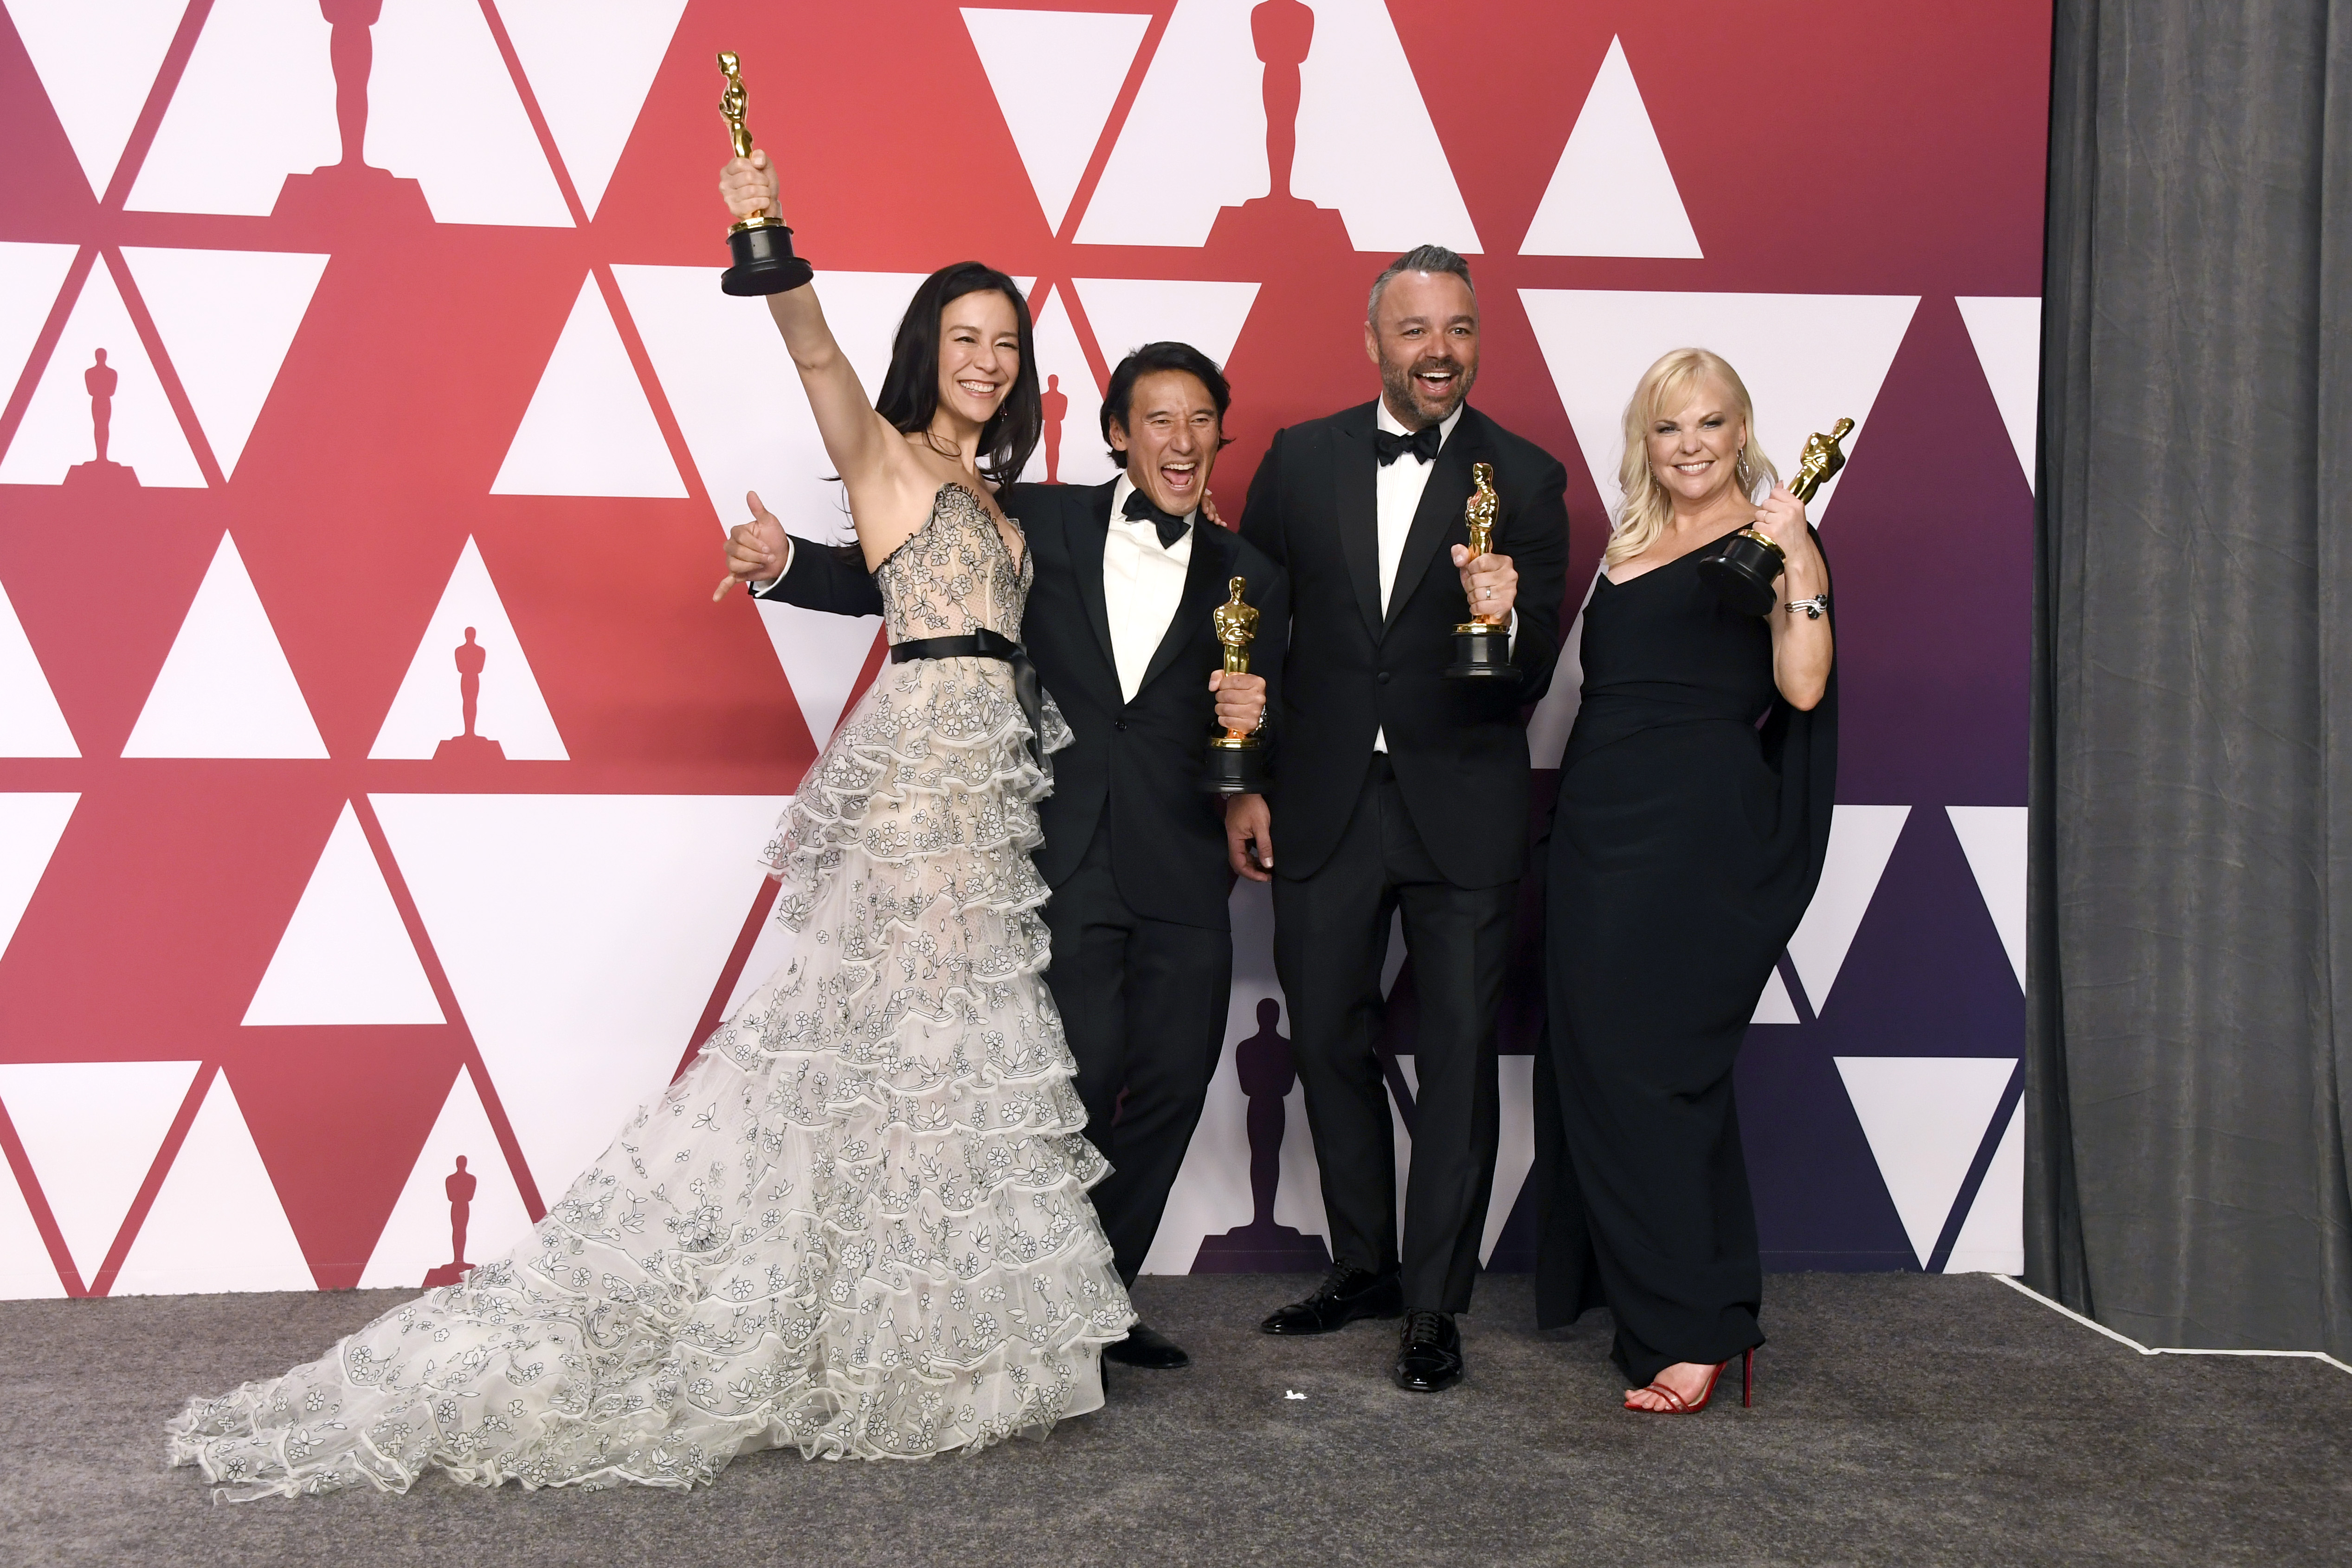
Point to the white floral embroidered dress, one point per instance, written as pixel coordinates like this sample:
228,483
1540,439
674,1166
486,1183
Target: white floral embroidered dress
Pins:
857,1226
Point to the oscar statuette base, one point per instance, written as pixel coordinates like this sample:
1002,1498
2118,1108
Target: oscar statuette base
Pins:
1235,766
1741,570
765,262
1482,652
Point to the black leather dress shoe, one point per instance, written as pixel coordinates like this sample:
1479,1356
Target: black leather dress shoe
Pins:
1429,1357
1147,1347
1345,1295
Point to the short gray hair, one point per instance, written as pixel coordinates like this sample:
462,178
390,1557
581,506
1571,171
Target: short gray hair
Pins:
1420,258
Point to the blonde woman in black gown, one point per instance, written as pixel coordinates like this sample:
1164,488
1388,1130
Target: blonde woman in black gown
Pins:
1693,813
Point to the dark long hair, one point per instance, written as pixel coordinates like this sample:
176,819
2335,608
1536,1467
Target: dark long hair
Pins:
910,393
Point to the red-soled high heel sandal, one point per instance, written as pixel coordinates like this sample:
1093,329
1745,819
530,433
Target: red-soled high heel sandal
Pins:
1677,1405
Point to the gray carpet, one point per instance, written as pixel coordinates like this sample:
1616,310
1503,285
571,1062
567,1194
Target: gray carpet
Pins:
1900,1419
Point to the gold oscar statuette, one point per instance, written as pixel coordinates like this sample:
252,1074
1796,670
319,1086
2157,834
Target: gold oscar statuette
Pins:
1482,645
761,243
1236,759
1743,568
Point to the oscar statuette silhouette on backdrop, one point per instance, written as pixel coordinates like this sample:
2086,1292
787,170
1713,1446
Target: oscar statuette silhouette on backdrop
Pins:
1058,408
1279,222
460,1187
1262,1247
472,656
351,187
100,472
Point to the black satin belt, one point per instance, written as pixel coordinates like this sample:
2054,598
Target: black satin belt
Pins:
985,644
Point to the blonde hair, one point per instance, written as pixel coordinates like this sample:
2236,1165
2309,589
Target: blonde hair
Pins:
1647,508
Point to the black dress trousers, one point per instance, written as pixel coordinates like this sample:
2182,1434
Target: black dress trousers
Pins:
1143,1005
1332,933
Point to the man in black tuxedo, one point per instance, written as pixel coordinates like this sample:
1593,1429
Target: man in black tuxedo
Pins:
1118,626
1401,790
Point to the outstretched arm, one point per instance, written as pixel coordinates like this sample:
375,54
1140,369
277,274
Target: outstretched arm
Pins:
859,442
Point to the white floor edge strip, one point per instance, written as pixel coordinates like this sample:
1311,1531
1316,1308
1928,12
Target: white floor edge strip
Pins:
2024,1290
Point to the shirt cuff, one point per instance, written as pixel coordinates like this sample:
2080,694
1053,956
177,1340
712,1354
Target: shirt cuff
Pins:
760,590
1511,643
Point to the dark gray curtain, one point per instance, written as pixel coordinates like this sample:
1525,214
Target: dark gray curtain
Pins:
2191,943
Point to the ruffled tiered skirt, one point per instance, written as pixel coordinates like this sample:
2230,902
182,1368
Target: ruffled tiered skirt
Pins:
857,1226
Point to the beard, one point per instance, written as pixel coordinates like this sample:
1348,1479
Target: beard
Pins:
1404,392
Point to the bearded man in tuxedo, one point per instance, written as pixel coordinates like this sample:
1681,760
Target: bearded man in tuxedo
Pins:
1402,791
1136,853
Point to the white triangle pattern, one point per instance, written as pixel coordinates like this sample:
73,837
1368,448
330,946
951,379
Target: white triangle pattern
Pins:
822,655
227,318
429,707
345,957
416,1238
56,434
1127,312
31,722
770,951
591,63
1084,455
98,64
1808,359
1056,75
30,827
1926,1118
217,1223
1862,837
1611,193
736,396
1514,1149
1775,1005
1554,719
747,424
1357,90
226,690
90,1130
26,1271
582,936
443,111
589,430
1992,1239
30,276
225,147
1993,838
2007,332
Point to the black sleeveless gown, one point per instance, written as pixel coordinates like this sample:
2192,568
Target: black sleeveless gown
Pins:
1693,813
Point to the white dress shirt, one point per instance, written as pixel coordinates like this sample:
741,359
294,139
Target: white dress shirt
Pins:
1142,582
1396,494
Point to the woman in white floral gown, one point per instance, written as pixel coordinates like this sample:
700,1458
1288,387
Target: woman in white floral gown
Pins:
858,1226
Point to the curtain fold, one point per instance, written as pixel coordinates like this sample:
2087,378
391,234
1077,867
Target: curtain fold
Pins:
2190,964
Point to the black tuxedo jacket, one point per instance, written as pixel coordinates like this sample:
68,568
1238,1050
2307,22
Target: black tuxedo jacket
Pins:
1139,762
1459,747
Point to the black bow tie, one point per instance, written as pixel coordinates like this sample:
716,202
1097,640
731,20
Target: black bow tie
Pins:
1171,528
1424,443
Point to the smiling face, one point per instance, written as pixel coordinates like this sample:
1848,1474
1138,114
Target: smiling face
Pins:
1424,337
1170,436
1695,449
979,356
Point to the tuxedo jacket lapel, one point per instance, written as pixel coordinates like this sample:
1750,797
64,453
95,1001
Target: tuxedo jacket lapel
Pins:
1087,524
1359,514
1204,584
1440,511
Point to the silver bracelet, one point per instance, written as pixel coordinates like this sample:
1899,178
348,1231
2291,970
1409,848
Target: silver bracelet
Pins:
1814,608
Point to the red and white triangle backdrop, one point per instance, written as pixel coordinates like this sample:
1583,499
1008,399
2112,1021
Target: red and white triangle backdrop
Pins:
379,785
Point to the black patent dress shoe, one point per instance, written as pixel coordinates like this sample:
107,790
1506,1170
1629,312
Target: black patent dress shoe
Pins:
1345,1295
1147,1347
1429,1356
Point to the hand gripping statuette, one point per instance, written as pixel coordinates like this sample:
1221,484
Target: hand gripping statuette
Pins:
1482,645
763,246
1236,759
1743,568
